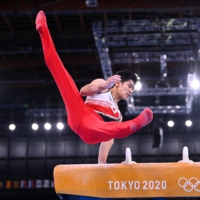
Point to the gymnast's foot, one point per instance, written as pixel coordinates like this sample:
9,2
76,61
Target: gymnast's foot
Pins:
40,21
143,119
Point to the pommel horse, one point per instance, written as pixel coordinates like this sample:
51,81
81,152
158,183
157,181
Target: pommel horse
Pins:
130,179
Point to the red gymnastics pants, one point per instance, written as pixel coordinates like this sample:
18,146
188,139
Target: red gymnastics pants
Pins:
82,120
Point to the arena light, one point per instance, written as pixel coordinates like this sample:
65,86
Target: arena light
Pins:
12,127
188,123
47,126
138,86
195,84
170,123
60,125
35,126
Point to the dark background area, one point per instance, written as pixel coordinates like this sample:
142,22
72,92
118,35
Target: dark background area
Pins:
28,93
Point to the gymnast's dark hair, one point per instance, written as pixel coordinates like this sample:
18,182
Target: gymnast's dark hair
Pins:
127,75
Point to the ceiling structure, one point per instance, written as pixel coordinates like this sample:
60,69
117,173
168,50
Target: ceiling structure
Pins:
157,40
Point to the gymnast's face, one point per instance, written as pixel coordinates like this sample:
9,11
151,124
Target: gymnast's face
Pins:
125,89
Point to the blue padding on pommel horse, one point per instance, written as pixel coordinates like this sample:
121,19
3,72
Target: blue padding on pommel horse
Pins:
74,197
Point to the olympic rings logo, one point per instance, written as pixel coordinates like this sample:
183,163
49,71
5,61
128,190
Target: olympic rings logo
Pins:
189,185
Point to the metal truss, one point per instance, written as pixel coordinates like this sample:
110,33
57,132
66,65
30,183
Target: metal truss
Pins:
148,57
167,109
143,35
134,26
164,109
102,50
142,39
46,112
131,110
163,91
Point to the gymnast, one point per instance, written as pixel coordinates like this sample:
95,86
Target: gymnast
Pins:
103,97
98,119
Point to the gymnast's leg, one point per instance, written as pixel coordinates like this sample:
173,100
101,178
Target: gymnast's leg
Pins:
96,131
75,106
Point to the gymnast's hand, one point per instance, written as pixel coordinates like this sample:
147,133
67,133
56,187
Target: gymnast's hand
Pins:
110,82
99,85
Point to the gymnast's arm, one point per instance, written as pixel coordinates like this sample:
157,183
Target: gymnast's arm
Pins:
99,85
104,150
93,88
